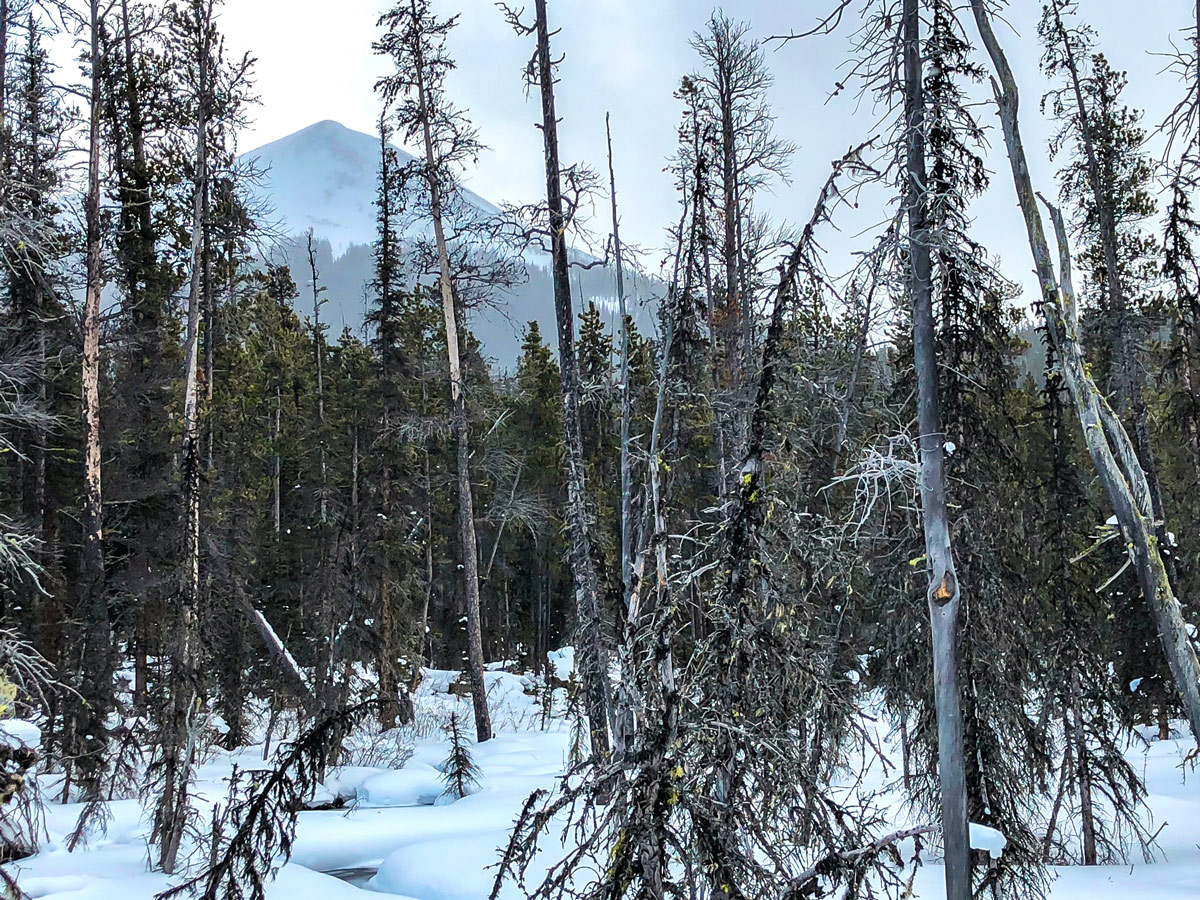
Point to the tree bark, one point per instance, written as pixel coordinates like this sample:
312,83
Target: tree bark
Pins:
3,87
458,418
177,739
319,342
943,590
593,654
97,669
623,718
1083,773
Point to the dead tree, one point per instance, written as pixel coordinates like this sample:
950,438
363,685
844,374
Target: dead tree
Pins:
1112,452
593,652
943,590
178,746
93,600
416,41
1130,379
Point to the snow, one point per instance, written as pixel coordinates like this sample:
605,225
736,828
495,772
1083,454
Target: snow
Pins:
323,177
987,839
563,662
18,734
421,844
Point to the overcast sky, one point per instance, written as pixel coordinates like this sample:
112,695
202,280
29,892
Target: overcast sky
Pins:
626,57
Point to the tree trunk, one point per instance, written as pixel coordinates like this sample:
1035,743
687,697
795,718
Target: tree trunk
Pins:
714,362
319,342
96,681
729,210
3,87
1130,380
458,420
593,653
943,591
185,677
1112,453
623,718
1083,774
276,465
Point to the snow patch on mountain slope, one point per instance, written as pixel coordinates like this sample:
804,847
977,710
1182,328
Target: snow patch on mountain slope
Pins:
324,177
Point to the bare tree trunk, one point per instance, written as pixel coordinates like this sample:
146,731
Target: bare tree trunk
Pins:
943,591
423,634
626,408
208,305
733,308
276,465
714,362
185,677
593,655
623,718
1064,776
3,87
94,606
1131,398
458,420
1112,453
1078,738
93,536
320,354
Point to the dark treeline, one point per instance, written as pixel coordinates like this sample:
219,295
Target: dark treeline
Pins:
209,502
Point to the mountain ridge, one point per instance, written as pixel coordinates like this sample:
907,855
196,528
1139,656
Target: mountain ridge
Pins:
324,177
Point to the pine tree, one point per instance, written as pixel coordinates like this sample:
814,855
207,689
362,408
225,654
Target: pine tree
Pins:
459,772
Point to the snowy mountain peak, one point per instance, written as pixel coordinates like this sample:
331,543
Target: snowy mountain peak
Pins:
324,177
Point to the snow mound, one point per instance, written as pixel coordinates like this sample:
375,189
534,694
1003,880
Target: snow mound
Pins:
18,734
988,839
417,784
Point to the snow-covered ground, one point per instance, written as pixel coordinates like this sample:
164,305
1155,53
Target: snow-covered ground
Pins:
403,836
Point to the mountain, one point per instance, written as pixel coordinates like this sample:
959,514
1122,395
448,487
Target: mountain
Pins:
324,177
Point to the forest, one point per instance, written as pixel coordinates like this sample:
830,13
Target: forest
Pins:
834,564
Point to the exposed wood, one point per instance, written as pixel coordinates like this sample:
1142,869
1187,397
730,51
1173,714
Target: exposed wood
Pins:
943,589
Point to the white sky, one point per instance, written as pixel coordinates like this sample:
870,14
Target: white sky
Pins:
626,56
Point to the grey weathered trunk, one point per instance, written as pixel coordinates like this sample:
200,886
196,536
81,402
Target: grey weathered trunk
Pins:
277,465
3,82
593,655
178,736
468,543
623,716
1130,379
319,351
93,535
729,220
1108,444
714,362
943,590
94,609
